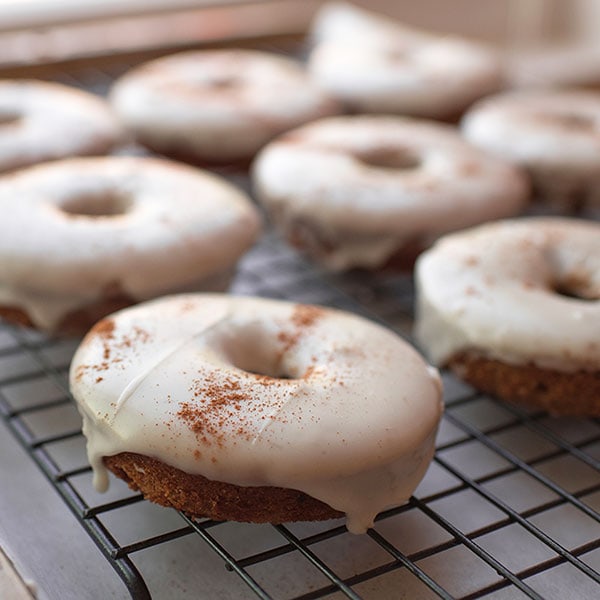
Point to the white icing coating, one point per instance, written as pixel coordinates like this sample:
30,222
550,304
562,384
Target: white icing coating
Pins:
377,65
343,22
217,105
175,379
554,134
326,175
42,121
492,290
174,228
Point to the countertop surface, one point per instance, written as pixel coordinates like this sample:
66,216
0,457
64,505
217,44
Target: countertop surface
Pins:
48,548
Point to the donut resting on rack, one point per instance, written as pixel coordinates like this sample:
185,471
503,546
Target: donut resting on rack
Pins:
514,309
373,191
217,106
552,134
81,238
256,410
375,65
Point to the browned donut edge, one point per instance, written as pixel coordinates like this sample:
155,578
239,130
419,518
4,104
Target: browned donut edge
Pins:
309,240
557,392
76,323
187,156
199,497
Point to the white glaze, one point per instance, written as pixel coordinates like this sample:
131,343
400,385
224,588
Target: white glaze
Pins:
377,65
554,134
44,121
491,290
312,175
181,229
217,105
353,427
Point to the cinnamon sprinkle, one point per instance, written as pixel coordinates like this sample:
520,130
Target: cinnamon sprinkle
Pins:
309,371
304,316
104,331
215,405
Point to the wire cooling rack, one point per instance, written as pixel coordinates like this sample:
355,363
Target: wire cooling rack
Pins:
509,504
508,509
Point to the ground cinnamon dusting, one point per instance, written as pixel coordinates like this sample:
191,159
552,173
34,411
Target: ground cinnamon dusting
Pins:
304,316
266,380
309,371
471,261
105,331
215,408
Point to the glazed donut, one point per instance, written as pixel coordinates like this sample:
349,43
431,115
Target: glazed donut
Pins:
514,309
82,237
42,121
553,134
256,410
374,65
216,106
362,190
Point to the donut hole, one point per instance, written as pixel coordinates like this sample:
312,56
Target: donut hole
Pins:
9,117
222,82
574,121
263,364
108,203
275,375
213,81
389,158
576,287
253,349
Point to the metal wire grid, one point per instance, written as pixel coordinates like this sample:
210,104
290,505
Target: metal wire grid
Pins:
482,446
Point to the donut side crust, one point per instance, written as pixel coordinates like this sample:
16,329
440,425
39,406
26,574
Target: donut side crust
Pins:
559,393
180,153
307,238
77,322
200,497
15,316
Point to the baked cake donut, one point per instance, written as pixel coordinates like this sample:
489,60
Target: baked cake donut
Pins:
514,308
80,238
363,191
216,106
374,65
257,410
42,121
553,134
